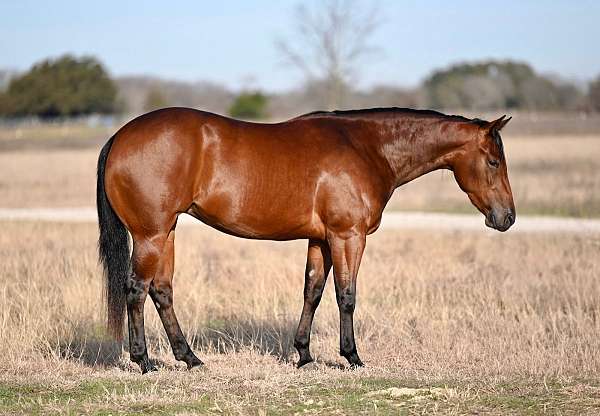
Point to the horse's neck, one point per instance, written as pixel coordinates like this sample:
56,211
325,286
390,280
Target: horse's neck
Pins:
415,146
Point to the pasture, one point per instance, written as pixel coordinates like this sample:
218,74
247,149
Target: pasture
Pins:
448,322
479,322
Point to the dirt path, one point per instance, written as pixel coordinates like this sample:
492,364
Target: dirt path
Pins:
391,220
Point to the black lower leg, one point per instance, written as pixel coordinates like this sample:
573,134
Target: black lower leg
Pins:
313,290
163,300
136,296
347,343
302,338
346,304
302,345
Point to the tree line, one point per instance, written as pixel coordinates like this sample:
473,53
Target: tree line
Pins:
62,87
69,86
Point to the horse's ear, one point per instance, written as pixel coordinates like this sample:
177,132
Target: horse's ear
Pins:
498,124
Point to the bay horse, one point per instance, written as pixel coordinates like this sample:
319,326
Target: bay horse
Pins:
324,176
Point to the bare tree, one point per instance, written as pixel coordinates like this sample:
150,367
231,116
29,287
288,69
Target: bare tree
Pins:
329,42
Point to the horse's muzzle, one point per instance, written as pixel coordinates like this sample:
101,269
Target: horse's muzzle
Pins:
500,221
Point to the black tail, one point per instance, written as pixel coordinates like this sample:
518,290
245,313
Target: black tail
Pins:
113,247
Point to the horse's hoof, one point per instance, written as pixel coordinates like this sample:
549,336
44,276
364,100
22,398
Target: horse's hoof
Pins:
353,359
147,367
194,363
303,362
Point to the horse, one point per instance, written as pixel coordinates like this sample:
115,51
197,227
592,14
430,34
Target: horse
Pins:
324,176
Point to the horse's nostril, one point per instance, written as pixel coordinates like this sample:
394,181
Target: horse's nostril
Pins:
510,218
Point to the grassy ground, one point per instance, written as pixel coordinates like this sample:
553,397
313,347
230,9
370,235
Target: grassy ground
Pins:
265,387
447,323
552,175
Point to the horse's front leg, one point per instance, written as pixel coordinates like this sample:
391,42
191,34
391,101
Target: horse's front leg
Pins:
346,253
318,264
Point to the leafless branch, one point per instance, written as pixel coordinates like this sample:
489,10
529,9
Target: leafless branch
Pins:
329,43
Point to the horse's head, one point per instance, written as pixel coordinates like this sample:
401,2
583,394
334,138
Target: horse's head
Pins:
480,170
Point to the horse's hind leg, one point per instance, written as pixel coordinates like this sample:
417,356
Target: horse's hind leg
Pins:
147,253
318,264
161,292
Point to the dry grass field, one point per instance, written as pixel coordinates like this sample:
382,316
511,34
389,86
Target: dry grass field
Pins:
550,175
447,323
52,135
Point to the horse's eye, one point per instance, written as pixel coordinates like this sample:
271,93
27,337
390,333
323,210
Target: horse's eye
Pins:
493,163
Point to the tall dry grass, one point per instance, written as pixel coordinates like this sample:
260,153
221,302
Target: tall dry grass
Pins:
430,305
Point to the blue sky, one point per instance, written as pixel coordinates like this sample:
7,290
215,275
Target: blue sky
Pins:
231,42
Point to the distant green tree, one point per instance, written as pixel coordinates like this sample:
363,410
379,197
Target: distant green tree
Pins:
594,94
493,85
66,86
154,100
249,105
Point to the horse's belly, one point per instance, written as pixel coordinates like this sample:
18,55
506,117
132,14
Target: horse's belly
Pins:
259,218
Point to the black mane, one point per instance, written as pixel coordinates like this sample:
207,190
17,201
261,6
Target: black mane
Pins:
400,110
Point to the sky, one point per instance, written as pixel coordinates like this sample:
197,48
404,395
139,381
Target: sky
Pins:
233,42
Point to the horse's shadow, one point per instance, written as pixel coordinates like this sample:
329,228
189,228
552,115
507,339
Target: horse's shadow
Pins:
90,349
266,337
